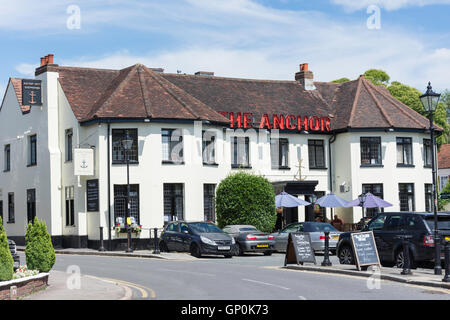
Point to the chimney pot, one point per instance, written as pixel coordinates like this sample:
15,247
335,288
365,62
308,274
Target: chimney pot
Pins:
305,77
304,67
50,58
42,61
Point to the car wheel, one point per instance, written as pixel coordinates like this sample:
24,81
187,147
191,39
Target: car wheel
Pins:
239,251
399,260
267,253
346,255
195,250
163,247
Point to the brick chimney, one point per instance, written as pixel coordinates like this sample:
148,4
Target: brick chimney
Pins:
305,77
46,62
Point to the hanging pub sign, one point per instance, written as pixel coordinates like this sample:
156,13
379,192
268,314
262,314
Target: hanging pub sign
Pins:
83,162
246,120
31,92
299,249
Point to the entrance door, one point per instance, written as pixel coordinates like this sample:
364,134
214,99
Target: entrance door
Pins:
290,215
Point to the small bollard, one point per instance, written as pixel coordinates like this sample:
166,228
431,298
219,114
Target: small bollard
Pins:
406,263
156,251
447,259
129,242
326,257
102,247
13,293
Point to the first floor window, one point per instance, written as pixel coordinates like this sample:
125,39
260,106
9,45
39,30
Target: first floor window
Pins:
404,151
70,209
32,159
1,210
406,196
7,166
428,197
31,204
209,147
69,135
120,203
443,180
209,203
427,152
11,216
279,153
240,152
376,190
173,202
172,145
119,154
316,154
370,150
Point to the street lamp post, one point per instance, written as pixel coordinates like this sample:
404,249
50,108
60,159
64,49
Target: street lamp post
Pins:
362,199
127,144
430,100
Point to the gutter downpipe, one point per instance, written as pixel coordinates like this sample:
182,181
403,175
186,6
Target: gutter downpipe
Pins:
330,141
109,187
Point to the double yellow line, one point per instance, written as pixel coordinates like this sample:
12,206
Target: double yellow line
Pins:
144,291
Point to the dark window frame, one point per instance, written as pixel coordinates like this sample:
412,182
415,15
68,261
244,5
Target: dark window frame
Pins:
70,206
7,154
278,148
428,187
172,140
69,145
371,149
404,143
31,205
372,188
235,143
408,194
427,153
171,193
208,152
117,150
316,147
209,202
11,208
32,160
120,202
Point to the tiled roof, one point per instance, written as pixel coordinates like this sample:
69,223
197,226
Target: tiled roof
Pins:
138,92
444,157
17,84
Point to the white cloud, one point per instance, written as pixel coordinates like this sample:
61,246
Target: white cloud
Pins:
353,5
241,38
26,69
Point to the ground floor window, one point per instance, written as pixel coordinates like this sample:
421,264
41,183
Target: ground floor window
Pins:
428,197
209,202
70,207
120,203
173,202
31,204
406,196
11,215
376,190
1,209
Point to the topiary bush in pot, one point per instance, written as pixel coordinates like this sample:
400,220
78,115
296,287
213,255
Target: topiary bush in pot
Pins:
245,198
6,259
39,251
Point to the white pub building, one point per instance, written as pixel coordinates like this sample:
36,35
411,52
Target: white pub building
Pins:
63,156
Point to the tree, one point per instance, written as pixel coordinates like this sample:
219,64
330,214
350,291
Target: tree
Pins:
6,259
244,198
378,77
341,80
39,251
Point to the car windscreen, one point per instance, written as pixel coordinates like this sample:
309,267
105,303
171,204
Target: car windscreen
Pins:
200,227
318,227
247,229
443,222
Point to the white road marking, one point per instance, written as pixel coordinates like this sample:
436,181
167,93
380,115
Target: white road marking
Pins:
189,272
267,284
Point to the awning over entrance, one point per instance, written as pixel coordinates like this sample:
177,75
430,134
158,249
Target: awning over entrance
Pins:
295,187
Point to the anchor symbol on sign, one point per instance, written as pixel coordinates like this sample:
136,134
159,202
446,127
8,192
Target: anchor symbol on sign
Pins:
84,164
32,95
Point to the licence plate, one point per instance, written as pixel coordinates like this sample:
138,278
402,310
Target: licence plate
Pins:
447,238
335,237
223,248
262,245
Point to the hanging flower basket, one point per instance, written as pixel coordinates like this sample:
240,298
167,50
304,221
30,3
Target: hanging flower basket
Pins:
123,229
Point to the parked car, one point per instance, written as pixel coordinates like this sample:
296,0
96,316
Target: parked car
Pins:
13,249
250,239
316,232
197,238
387,227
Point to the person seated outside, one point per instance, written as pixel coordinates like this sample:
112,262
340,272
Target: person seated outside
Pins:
338,223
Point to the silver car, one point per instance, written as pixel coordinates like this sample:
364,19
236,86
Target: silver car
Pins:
250,239
316,232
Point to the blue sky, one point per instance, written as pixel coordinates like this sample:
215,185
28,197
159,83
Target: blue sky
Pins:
262,39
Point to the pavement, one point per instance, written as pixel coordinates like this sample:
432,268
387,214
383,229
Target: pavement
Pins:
93,288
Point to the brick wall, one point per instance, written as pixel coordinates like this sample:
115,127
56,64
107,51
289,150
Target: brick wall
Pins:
24,288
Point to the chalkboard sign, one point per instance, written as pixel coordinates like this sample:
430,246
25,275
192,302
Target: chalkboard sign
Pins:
365,249
92,197
299,249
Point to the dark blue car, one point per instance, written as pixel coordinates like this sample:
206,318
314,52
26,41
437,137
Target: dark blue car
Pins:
197,238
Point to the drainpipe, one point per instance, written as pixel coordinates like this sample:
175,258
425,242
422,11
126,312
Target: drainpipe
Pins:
330,175
109,188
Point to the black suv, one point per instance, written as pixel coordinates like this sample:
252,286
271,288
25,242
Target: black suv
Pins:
13,249
387,226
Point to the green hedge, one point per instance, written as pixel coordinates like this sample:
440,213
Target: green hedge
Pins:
39,251
244,198
6,260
